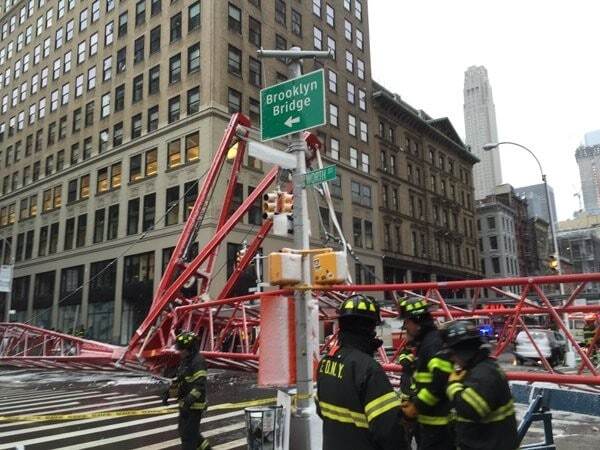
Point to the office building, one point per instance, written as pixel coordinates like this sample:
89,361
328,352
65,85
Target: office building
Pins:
588,160
537,201
480,129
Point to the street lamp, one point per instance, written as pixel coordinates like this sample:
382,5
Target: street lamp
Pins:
491,146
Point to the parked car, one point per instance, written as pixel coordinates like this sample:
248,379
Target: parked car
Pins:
551,344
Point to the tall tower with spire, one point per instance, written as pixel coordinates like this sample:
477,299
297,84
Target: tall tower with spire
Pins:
480,128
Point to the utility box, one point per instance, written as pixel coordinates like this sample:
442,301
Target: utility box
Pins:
330,268
285,269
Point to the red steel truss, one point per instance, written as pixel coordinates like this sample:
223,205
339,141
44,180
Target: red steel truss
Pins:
229,328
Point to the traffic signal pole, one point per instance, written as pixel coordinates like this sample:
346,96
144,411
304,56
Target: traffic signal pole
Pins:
301,432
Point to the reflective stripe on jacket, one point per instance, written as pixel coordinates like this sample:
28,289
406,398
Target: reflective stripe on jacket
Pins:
485,413
430,380
191,377
359,408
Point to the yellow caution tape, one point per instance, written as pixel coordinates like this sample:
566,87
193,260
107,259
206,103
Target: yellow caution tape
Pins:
130,412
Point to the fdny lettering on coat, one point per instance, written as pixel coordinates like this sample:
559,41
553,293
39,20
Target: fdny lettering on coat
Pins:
332,368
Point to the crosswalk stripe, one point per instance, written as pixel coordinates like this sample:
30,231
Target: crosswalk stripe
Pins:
230,445
50,403
111,427
209,433
70,423
127,437
40,398
18,393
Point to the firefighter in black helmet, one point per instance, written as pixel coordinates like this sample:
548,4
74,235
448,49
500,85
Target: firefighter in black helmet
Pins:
478,392
359,407
428,402
191,379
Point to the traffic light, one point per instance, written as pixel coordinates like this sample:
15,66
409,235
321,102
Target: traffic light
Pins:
286,203
553,264
239,255
232,152
269,205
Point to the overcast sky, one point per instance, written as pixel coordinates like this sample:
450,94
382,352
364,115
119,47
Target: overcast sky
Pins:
543,64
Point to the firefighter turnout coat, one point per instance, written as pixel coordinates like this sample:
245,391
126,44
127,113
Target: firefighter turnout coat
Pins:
359,407
431,379
485,413
191,380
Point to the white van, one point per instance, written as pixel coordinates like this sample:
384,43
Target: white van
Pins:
552,345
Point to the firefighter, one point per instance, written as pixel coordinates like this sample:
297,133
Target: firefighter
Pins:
191,392
478,392
428,402
406,359
359,407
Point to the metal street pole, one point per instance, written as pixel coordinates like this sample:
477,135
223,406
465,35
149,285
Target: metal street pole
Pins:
301,438
570,356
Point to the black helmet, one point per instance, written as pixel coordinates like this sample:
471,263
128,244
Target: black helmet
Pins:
186,340
414,308
360,306
458,332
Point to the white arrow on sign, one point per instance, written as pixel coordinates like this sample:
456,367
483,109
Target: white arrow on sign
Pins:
291,121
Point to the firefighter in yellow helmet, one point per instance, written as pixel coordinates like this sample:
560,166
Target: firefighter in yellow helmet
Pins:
428,402
359,407
589,331
191,379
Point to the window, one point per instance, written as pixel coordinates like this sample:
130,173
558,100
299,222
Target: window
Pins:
330,15
351,125
138,88
172,206
333,115
280,13
83,20
140,12
43,243
138,50
91,82
151,162
254,110
194,16
133,216
93,44
348,30
366,198
369,234
173,154
332,77
365,167
349,61
194,58
121,59
135,168
155,7
105,106
120,97
175,68
115,176
350,92
358,9
234,61
494,242
234,19
336,187
355,189
118,134
234,101
113,222
175,32
254,32
255,72
364,132
122,30
154,83
155,40
296,22
193,101
496,265
153,119
136,126
353,157
69,233
317,38
331,45
334,149
149,212
360,68
362,104
174,108
99,225
192,147
357,232
316,7
84,187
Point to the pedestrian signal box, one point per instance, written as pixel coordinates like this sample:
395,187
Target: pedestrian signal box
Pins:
330,268
284,269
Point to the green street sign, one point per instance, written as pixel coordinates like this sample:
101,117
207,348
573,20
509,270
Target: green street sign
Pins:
320,176
292,106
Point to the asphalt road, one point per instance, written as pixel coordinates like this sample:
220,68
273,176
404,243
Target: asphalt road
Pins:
26,392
